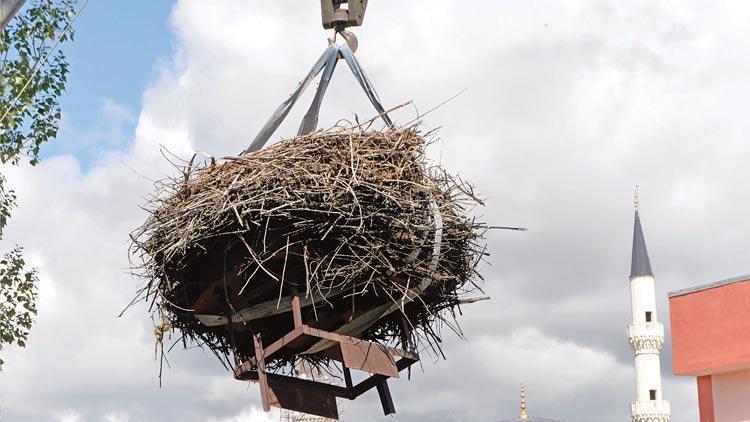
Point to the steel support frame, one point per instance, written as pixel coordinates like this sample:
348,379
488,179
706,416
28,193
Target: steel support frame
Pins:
319,398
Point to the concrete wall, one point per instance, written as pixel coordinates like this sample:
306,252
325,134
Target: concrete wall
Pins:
731,396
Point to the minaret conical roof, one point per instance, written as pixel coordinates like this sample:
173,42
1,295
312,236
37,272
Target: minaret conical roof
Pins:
639,264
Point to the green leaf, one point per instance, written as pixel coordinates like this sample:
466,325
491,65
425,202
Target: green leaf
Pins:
34,118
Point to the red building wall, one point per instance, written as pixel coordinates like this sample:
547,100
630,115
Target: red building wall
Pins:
711,340
705,399
711,329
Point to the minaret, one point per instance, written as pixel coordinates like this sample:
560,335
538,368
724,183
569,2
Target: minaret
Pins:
646,333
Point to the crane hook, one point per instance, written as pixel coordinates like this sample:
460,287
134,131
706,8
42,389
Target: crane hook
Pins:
350,38
337,17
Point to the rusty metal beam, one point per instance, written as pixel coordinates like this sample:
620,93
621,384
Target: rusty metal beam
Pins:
319,398
385,398
347,378
268,308
374,380
305,396
280,343
261,364
369,357
296,312
339,338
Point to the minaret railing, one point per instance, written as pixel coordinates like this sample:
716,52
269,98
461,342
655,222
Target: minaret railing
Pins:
650,411
646,336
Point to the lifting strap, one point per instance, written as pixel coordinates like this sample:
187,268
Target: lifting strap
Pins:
327,61
310,121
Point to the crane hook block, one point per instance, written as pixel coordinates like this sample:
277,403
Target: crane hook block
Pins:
340,14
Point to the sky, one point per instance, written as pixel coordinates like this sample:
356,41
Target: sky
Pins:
567,106
118,47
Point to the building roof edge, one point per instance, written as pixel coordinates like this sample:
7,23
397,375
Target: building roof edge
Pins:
707,286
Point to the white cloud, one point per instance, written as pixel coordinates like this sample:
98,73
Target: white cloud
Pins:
117,417
569,104
249,414
488,370
111,132
67,416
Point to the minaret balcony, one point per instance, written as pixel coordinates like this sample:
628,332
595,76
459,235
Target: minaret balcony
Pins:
646,337
650,411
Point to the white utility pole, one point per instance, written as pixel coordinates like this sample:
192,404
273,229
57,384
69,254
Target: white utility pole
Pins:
8,9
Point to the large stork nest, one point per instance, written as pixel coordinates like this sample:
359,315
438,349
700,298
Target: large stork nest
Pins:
374,238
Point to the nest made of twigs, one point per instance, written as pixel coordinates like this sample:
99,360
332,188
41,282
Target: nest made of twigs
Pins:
376,239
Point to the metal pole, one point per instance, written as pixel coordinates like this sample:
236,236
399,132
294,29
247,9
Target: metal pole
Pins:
8,9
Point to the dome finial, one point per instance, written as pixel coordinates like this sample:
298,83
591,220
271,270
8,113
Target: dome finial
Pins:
636,198
523,414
